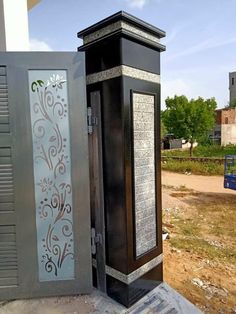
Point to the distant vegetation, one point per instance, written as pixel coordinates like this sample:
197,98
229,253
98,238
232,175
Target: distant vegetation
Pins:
189,119
231,104
198,167
193,167
216,151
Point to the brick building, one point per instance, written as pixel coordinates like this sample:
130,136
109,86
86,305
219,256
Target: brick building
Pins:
224,131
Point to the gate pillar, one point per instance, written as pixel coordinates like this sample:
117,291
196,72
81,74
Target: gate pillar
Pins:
123,65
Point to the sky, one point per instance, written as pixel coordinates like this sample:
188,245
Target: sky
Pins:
200,38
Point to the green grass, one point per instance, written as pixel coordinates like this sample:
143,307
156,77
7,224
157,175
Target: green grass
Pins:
181,188
188,227
214,218
216,151
220,215
202,247
195,167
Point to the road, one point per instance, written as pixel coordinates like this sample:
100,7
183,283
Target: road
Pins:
212,184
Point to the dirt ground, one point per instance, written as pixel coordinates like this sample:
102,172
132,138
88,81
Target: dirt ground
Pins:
200,255
199,183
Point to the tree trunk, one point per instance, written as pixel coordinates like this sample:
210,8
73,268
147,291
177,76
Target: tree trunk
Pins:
191,149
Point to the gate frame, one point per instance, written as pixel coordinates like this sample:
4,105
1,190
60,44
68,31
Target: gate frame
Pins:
18,64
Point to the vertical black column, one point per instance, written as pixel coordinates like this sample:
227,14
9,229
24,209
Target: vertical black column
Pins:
123,64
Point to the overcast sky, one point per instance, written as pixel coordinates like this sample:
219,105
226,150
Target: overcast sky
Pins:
200,41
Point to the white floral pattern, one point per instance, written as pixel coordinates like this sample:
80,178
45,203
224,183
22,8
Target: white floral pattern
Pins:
52,174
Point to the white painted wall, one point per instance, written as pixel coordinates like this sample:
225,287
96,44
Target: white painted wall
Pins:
228,134
14,32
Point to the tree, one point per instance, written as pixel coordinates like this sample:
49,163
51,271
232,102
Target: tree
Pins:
189,119
232,104
163,130
163,127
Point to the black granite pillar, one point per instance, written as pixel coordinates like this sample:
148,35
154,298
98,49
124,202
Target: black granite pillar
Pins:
123,64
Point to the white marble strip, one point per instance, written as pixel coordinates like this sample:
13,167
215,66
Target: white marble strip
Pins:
117,26
128,279
122,70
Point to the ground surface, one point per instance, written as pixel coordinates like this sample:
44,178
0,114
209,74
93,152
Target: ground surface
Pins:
162,300
200,256
211,184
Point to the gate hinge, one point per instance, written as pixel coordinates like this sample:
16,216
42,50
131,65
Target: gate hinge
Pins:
95,238
92,120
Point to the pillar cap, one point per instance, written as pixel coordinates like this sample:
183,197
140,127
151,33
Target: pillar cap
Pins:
125,24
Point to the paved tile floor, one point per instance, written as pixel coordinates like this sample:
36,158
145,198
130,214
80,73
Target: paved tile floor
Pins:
162,300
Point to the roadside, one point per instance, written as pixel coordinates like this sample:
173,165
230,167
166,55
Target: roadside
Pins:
199,183
200,254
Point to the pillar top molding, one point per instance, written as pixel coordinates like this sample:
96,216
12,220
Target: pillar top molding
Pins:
125,25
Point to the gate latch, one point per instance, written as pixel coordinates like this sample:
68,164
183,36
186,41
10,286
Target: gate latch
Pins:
95,238
92,120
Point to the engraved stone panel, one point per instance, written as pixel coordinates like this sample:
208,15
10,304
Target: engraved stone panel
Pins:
52,174
144,172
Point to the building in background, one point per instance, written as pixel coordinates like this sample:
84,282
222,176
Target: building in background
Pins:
232,86
14,31
224,132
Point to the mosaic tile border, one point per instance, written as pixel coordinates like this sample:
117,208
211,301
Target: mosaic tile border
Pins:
122,70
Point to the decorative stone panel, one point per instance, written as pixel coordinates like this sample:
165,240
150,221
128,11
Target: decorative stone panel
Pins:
144,172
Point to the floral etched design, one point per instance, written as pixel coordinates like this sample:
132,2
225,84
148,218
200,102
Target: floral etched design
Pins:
46,184
56,81
52,174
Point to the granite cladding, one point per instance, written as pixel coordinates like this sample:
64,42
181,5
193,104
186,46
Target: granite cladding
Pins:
129,278
118,26
144,172
122,70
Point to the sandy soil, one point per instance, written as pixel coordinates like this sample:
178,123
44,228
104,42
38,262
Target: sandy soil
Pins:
212,184
214,290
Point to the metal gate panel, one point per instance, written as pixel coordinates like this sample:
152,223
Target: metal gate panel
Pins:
8,252
44,180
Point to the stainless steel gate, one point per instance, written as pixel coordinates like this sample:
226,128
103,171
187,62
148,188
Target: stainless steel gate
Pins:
44,176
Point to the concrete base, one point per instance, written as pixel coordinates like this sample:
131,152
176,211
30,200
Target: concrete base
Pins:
162,300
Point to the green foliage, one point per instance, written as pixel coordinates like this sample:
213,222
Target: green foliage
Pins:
232,104
189,119
194,167
163,130
216,151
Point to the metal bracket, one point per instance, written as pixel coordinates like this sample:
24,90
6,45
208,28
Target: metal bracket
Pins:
95,238
92,120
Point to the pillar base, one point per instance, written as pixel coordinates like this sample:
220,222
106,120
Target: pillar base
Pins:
128,294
